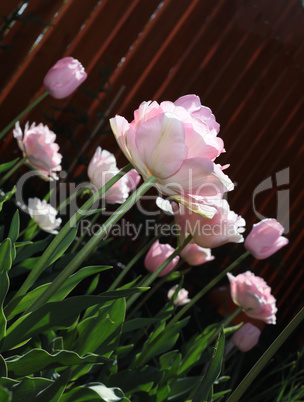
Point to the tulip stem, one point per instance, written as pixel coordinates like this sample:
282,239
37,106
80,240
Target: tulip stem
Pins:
43,261
200,294
81,237
155,274
132,262
12,170
24,112
92,244
264,359
153,290
206,289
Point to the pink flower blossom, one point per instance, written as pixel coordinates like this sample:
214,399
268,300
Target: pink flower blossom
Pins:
196,255
44,215
254,295
38,145
157,254
102,168
265,239
225,226
177,143
64,77
246,337
181,298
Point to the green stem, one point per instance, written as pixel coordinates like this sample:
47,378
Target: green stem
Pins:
206,289
12,171
81,237
224,324
193,301
42,263
24,112
153,290
132,262
92,243
155,274
264,359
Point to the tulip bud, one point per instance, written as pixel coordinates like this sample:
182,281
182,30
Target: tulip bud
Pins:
44,215
64,77
196,255
181,298
265,239
157,254
246,337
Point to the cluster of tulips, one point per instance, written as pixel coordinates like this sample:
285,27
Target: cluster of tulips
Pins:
173,147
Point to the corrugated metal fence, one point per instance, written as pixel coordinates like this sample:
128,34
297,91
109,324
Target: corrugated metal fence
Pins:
245,59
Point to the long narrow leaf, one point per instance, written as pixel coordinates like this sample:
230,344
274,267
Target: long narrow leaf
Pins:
213,370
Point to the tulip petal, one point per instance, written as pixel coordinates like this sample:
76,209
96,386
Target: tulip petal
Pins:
161,144
199,177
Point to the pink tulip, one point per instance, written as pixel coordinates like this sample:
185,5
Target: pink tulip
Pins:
38,145
64,77
157,254
196,255
254,295
181,298
177,143
225,227
44,215
102,168
265,239
246,337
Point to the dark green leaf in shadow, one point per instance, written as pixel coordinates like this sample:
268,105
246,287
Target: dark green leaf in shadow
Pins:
54,391
213,370
14,228
3,367
23,302
5,265
6,166
56,315
38,360
5,395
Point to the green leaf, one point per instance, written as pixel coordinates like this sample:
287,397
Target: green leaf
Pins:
23,302
63,246
132,381
94,392
5,256
31,250
195,347
6,166
56,315
23,243
100,333
137,323
5,265
154,348
26,389
181,387
3,367
14,228
5,395
6,197
54,391
108,394
213,370
38,359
